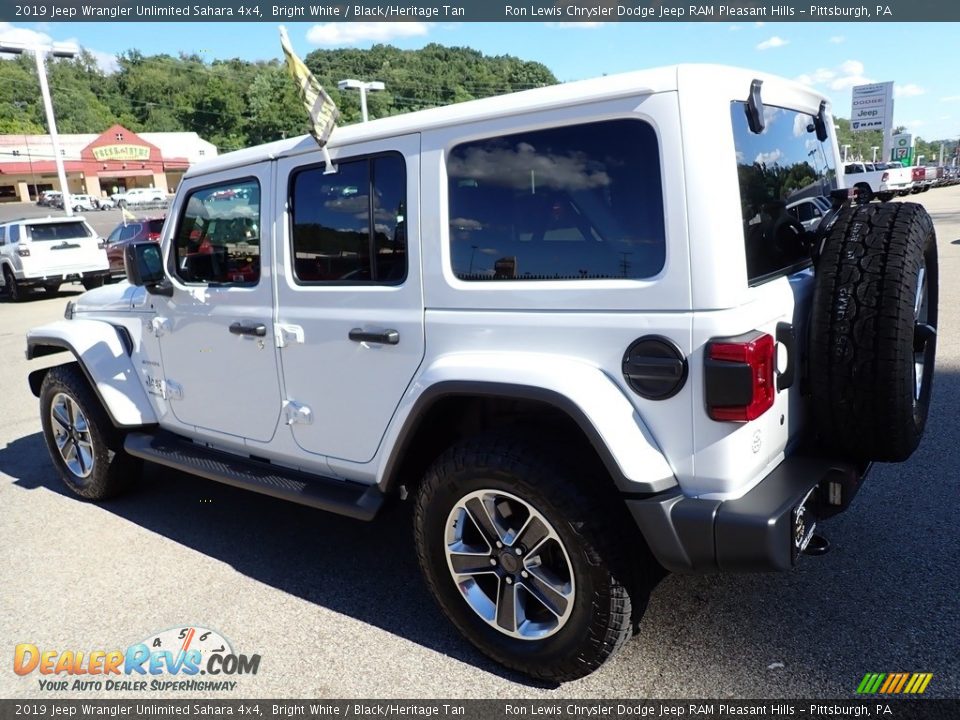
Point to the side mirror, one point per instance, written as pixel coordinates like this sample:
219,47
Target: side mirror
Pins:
144,266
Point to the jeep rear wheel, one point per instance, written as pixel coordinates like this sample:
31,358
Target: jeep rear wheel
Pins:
524,559
14,291
83,444
873,331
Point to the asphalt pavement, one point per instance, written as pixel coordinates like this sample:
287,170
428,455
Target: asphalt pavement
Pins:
336,608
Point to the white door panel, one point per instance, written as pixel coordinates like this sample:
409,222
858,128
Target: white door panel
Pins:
216,332
347,388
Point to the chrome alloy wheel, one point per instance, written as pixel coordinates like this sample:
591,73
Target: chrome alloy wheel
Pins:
71,432
923,331
509,564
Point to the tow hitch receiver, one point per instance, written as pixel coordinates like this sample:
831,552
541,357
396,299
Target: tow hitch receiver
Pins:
804,522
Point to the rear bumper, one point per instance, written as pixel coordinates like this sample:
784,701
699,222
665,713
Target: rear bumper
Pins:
765,529
64,277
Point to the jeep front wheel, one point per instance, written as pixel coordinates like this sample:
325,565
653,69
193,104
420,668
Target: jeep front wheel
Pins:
83,444
524,559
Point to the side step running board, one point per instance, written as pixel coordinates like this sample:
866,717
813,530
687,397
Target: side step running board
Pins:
337,496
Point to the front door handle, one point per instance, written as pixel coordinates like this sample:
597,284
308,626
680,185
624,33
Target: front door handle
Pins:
384,337
259,330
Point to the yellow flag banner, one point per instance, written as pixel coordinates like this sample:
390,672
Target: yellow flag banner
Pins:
321,108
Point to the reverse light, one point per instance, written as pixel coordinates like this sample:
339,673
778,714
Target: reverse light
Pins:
23,251
101,244
885,177
739,377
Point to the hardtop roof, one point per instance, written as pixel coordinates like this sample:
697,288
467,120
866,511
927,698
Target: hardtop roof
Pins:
639,82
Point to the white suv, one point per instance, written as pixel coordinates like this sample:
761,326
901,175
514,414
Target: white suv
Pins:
578,326
139,196
46,252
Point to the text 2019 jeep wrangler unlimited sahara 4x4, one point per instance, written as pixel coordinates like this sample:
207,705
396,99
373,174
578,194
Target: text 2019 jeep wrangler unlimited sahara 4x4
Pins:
577,324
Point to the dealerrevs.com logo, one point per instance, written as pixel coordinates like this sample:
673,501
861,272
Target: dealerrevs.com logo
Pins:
184,658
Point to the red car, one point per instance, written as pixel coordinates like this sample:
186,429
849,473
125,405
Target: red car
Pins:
123,235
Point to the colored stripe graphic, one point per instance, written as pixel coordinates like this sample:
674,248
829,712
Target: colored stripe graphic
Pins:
894,683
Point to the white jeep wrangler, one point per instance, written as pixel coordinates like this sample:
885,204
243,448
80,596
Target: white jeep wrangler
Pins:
577,325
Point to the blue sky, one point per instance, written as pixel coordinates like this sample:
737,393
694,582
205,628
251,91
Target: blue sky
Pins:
831,56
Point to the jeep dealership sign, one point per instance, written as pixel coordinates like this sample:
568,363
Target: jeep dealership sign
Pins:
872,107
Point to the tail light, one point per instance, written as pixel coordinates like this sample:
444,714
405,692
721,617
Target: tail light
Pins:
740,377
153,236
885,177
101,244
23,251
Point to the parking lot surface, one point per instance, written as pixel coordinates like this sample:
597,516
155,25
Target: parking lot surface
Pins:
336,608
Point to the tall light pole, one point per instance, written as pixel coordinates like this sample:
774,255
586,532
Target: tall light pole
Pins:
59,50
845,148
363,87
874,148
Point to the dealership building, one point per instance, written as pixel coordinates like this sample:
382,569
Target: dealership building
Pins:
99,165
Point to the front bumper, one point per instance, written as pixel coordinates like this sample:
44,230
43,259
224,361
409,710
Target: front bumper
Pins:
765,529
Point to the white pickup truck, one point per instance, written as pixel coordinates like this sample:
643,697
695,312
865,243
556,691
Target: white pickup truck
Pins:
880,180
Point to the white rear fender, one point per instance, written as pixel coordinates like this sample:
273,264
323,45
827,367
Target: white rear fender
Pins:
582,391
105,361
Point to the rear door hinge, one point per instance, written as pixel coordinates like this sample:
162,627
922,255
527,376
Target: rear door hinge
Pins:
288,335
296,413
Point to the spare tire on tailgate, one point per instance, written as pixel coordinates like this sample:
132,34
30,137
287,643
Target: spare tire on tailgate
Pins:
873,331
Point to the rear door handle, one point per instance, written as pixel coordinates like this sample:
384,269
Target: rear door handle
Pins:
384,337
259,330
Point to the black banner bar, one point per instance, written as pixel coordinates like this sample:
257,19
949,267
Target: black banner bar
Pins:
279,11
873,706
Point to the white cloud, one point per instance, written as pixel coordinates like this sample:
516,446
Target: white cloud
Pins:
837,39
915,123
800,122
768,158
350,33
10,33
759,23
575,25
773,42
950,98
845,75
734,28
908,90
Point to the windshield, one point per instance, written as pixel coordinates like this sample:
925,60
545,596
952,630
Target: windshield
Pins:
59,231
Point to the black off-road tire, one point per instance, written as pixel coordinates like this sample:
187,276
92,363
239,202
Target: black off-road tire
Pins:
12,288
865,193
89,283
606,554
865,336
112,470
885,196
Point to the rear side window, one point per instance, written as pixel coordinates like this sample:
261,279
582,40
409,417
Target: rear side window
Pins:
14,235
571,203
58,231
350,226
218,235
778,168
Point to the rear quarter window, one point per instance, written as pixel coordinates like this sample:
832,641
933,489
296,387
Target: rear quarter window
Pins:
777,168
572,203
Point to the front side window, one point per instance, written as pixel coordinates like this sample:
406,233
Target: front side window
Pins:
218,235
350,226
571,203
777,169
